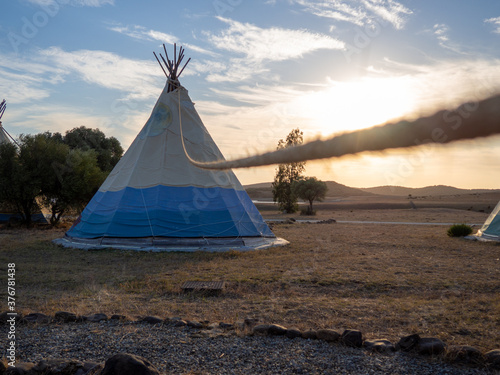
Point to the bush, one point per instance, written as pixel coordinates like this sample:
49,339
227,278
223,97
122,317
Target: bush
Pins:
459,230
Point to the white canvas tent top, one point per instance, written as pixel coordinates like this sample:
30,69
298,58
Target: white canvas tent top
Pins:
491,227
155,199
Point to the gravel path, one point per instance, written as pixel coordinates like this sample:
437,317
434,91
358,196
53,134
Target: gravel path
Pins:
175,350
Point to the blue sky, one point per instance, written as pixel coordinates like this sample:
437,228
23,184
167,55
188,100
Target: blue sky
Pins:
258,70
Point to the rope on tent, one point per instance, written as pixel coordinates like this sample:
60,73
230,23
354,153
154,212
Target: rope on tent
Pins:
468,121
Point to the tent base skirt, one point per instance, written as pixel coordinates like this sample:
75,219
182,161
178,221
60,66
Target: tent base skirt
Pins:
483,237
158,244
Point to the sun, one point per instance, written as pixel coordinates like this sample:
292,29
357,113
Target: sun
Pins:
348,106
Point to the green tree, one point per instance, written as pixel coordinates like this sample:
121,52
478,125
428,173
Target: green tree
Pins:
108,149
75,181
309,189
286,174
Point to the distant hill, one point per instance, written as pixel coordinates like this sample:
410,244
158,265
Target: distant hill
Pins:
264,190
437,190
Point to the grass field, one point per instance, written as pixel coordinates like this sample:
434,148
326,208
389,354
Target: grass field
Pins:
385,280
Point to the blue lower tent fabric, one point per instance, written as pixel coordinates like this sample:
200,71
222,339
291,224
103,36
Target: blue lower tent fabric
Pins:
170,211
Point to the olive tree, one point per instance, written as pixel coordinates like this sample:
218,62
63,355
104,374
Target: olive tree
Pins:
309,189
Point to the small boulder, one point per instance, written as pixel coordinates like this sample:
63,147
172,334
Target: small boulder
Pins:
492,359
91,368
328,335
407,343
276,330
179,323
261,329
36,318
464,354
430,346
128,364
310,335
118,317
227,326
95,318
5,316
21,368
57,366
293,333
65,317
152,320
353,338
194,324
379,346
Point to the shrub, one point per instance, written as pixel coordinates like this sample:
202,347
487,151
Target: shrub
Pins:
459,230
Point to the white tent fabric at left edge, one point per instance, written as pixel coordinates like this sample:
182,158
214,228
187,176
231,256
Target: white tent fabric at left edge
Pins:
7,212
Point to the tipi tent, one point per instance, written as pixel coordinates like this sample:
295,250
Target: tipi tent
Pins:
155,199
491,227
7,212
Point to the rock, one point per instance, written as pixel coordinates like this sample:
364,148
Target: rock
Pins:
351,337
327,221
128,364
21,368
464,354
310,335
4,317
328,335
194,324
179,323
277,330
379,346
36,318
492,359
65,317
293,333
118,317
261,329
152,320
95,318
407,343
227,326
57,367
430,346
93,368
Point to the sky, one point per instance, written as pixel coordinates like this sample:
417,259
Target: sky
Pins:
258,70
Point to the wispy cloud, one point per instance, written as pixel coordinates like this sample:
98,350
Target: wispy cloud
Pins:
84,3
142,33
255,46
496,23
138,78
359,12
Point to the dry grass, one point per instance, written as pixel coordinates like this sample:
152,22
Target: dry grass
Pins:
386,280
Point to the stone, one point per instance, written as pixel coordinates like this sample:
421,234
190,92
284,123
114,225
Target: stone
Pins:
276,330
328,335
194,324
57,367
430,346
152,320
379,346
118,317
36,318
227,326
353,338
65,317
179,323
96,369
464,354
261,329
4,317
310,335
407,343
128,364
95,318
293,333
492,359
21,368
